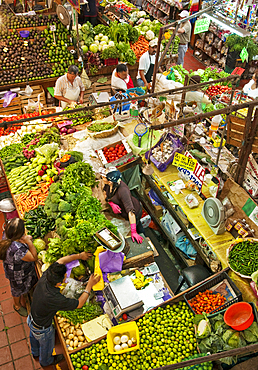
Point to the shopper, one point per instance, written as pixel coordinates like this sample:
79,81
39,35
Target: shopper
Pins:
47,300
69,88
121,80
120,199
251,88
146,65
184,33
89,11
18,254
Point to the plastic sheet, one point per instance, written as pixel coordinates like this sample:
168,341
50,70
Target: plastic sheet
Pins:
8,97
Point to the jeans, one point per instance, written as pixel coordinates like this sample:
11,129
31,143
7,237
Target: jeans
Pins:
42,343
182,49
140,82
139,227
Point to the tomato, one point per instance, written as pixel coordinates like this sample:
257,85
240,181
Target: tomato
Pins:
85,367
111,149
124,316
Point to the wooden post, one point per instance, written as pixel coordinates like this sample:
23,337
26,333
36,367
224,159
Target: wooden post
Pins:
157,59
246,150
183,97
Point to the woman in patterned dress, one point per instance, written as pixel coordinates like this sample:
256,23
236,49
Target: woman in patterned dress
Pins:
18,254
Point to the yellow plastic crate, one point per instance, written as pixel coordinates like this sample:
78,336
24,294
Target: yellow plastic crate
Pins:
130,329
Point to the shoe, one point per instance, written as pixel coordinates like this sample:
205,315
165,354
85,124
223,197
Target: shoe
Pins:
57,359
35,357
21,311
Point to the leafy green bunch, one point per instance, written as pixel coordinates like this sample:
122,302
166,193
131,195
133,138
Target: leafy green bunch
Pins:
237,43
77,174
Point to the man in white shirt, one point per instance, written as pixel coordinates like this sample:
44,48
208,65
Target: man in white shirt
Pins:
146,65
69,88
184,33
121,80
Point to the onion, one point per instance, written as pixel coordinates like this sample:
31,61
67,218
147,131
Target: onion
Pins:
63,130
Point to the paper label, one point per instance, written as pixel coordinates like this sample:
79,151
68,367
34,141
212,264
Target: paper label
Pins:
244,55
197,175
185,162
201,25
52,27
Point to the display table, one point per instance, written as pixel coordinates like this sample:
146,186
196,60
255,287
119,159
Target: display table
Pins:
218,243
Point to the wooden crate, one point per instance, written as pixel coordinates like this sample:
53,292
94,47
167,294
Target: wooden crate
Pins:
236,133
38,89
13,109
97,87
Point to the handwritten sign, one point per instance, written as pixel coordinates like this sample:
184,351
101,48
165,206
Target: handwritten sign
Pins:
185,162
196,175
201,25
244,55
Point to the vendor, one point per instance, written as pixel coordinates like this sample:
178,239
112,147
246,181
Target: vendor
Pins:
69,88
121,80
251,88
47,300
184,33
146,65
121,201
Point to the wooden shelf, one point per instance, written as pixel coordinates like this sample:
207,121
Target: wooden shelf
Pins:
167,13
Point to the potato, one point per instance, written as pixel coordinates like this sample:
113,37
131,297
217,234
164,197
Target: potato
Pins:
71,329
66,326
70,336
75,343
75,338
77,326
80,344
67,341
71,343
81,338
67,332
70,348
61,319
79,332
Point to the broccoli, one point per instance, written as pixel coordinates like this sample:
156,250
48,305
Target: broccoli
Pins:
48,212
54,187
54,207
58,221
55,214
48,202
55,198
64,206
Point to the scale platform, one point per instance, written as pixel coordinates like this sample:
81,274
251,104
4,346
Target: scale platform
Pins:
122,296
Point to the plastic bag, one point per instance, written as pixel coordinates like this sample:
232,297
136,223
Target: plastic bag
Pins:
73,289
184,245
32,105
47,150
85,79
8,97
133,139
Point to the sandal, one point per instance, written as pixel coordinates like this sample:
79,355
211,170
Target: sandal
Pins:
21,311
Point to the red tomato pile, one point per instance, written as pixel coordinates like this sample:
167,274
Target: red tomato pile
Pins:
217,90
114,153
13,129
123,7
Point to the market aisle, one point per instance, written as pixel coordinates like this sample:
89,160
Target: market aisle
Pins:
190,62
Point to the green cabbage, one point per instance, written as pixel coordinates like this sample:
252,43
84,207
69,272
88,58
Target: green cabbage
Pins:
39,244
42,256
79,270
227,335
204,329
236,340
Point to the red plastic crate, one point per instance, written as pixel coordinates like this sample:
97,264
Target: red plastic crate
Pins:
111,62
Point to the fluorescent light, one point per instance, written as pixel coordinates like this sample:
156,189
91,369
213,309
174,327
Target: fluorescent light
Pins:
224,25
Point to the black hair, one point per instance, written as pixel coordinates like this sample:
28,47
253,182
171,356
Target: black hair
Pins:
196,79
73,69
121,68
14,230
56,273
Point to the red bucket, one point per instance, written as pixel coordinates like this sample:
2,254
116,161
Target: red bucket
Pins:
239,316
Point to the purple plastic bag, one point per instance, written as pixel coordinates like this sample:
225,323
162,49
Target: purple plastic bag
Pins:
70,266
110,262
8,97
177,147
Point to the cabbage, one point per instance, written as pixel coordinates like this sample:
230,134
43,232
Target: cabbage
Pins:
227,335
94,48
39,244
85,49
141,13
145,28
236,340
147,22
103,43
42,256
45,266
254,276
104,38
204,329
79,270
111,43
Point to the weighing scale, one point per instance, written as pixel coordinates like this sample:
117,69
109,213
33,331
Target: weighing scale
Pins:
122,296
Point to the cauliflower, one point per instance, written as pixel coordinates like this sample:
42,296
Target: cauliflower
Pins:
150,35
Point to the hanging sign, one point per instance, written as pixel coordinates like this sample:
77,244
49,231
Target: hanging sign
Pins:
201,25
244,55
185,162
196,174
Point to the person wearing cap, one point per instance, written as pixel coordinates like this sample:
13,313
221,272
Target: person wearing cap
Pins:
184,33
120,199
121,80
146,65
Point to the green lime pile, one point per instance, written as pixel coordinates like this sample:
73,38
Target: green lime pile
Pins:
166,337
203,366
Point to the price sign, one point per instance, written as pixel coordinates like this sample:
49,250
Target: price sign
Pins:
244,55
185,162
52,27
195,174
201,25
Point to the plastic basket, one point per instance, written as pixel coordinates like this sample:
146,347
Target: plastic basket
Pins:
135,90
211,283
111,62
24,33
130,329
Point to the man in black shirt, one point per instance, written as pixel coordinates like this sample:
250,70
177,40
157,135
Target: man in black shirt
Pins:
47,300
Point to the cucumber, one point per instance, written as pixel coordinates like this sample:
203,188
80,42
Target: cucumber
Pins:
32,183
